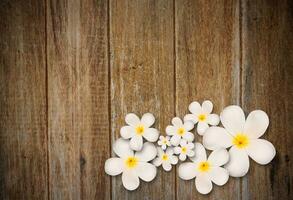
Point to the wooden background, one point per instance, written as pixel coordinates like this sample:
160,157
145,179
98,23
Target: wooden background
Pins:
70,70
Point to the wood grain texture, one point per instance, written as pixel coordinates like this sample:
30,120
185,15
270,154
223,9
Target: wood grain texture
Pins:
78,120
268,85
207,67
142,78
23,141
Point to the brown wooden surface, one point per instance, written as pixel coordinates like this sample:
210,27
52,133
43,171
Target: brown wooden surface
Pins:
71,70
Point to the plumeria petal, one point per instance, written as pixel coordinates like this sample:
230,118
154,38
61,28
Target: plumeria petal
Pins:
148,119
157,161
147,153
122,149
188,125
176,121
187,170
238,164
207,106
217,137
151,134
132,119
195,108
170,130
182,157
213,119
219,157
219,175
146,171
114,166
130,179
261,151
200,153
256,124
127,132
173,160
191,117
233,119
167,166
203,184
202,127
136,142
188,136
175,140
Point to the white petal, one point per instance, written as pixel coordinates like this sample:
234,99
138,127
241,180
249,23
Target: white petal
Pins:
203,184
207,106
151,134
160,142
213,119
238,164
219,175
148,119
173,160
256,124
200,153
130,180
164,146
132,119
233,119
217,137
175,140
182,157
177,150
146,171
190,145
170,151
167,166
159,151
176,121
202,127
191,117
188,136
136,142
170,130
114,166
195,108
157,161
188,125
127,132
147,153
219,157
190,153
183,143
261,151
122,149
187,170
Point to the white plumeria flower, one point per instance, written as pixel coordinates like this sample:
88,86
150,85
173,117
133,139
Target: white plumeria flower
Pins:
132,165
201,114
185,149
165,158
164,142
243,136
138,129
206,170
180,130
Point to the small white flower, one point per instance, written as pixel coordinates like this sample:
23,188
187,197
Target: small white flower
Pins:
165,158
138,129
243,136
164,142
205,170
201,114
180,130
132,165
185,149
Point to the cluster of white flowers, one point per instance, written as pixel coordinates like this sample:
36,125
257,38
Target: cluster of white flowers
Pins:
137,156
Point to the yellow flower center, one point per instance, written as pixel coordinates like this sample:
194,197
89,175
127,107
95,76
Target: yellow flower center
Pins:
204,166
165,141
241,140
165,157
184,149
139,130
202,117
131,162
180,131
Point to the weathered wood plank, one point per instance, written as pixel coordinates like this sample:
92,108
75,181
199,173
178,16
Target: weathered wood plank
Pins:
268,85
23,132
78,99
142,73
207,67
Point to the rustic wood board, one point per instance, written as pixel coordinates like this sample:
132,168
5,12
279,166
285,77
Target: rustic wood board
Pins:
23,134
